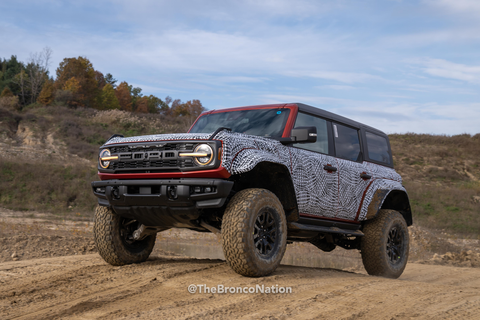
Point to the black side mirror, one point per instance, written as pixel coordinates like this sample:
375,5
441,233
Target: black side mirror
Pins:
301,135
304,134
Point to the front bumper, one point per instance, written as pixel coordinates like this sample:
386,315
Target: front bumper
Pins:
162,202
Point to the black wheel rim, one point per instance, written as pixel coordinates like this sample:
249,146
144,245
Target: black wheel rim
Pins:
395,245
265,232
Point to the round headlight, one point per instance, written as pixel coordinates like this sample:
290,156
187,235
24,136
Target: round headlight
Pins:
205,149
104,153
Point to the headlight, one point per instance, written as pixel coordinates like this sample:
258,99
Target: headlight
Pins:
205,154
104,158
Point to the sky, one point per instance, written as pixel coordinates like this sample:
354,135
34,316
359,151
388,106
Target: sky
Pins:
399,66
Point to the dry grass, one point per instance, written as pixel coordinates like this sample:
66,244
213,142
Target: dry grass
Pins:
442,177
46,187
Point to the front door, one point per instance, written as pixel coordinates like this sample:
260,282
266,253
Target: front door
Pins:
316,186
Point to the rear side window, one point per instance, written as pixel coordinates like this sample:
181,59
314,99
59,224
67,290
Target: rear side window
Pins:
305,120
377,147
347,143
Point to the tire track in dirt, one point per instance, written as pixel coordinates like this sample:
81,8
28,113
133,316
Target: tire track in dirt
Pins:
79,287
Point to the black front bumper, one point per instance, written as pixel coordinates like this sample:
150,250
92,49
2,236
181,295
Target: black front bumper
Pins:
162,202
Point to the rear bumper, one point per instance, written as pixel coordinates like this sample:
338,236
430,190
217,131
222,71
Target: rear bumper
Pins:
162,202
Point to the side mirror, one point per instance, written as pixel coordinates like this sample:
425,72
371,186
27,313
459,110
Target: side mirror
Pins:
304,134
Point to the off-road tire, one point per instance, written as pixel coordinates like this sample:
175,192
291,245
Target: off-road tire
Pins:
110,243
375,245
238,232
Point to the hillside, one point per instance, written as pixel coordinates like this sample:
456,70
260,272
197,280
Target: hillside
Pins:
48,158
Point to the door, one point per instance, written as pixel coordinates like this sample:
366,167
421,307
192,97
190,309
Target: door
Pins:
313,170
352,175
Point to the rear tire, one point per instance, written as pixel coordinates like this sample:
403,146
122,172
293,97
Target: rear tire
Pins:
385,245
113,238
254,232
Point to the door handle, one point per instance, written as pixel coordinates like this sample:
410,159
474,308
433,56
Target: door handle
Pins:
329,168
365,176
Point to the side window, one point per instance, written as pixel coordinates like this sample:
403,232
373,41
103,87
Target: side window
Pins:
306,120
377,147
347,144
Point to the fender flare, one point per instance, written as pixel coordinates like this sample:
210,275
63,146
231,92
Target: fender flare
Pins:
390,199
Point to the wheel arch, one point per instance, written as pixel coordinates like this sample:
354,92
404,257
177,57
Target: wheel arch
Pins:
390,199
274,177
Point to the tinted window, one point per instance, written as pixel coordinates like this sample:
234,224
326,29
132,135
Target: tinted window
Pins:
347,144
305,120
377,147
257,122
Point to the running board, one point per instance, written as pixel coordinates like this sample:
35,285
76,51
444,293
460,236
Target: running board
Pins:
304,227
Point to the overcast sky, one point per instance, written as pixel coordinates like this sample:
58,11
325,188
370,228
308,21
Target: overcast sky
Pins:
400,66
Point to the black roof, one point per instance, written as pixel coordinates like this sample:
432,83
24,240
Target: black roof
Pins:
335,117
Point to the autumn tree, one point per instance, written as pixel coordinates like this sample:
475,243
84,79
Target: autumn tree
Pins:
190,109
109,99
123,95
142,105
6,92
101,82
46,96
82,70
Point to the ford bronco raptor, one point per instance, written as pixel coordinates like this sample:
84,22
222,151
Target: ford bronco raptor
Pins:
261,177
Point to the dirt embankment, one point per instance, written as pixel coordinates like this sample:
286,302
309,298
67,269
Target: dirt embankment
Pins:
55,276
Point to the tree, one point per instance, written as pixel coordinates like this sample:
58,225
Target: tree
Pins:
109,79
71,94
6,92
191,108
9,69
136,94
82,70
109,99
156,105
101,82
22,80
123,95
46,96
37,69
142,105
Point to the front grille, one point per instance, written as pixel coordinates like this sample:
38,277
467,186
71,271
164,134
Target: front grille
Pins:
151,157
152,147
181,163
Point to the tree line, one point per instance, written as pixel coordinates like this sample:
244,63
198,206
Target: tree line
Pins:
78,84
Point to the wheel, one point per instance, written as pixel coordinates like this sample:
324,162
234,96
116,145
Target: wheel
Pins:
114,241
254,232
385,245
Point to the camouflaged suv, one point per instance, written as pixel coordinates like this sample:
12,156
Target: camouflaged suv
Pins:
261,176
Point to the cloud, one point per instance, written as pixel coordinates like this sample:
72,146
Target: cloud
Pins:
462,6
446,69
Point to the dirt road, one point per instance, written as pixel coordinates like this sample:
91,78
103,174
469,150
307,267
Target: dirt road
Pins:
84,287
49,269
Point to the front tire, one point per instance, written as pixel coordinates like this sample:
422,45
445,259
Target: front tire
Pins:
113,238
385,245
254,232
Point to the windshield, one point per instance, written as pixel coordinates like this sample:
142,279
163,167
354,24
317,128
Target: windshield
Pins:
258,122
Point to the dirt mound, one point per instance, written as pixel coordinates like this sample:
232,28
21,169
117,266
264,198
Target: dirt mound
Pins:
467,258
